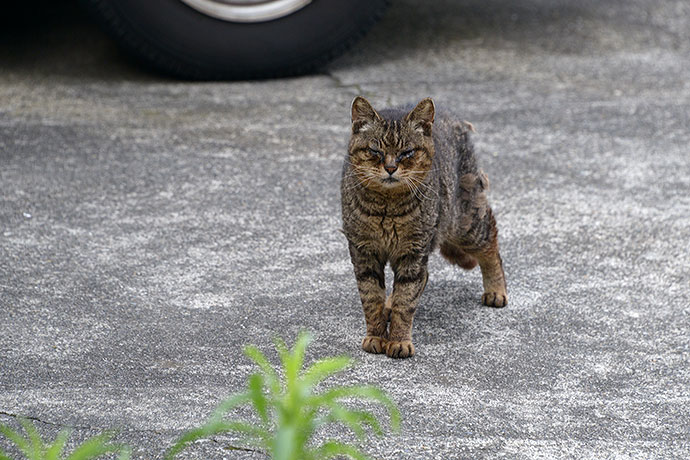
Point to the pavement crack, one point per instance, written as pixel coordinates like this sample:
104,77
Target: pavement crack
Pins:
78,427
359,90
45,422
238,448
339,83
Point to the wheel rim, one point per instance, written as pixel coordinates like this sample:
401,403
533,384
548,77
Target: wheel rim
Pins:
247,10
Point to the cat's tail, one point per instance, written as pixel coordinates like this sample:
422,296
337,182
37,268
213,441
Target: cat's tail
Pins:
457,256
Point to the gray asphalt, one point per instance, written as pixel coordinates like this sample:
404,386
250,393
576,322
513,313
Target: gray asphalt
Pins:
150,228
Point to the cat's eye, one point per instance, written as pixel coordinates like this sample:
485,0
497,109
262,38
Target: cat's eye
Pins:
406,154
376,153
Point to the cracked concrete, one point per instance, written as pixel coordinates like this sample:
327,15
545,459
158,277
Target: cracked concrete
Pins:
150,228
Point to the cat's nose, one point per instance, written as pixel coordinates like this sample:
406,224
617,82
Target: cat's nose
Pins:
390,169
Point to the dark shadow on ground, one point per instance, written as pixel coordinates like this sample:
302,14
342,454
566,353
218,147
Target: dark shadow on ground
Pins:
412,28
60,39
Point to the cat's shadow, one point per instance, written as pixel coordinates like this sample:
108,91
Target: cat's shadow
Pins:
447,309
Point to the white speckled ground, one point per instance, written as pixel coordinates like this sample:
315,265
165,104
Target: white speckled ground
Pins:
151,228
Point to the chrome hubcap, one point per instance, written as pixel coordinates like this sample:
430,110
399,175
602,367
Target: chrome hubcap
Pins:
247,10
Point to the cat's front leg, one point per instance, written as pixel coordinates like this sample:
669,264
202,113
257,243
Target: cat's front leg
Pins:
409,282
372,291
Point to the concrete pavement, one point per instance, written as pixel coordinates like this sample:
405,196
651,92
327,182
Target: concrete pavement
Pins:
150,228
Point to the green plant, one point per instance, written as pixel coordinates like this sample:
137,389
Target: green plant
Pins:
34,448
290,411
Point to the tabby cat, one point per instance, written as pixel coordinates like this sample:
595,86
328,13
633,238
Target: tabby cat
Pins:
410,184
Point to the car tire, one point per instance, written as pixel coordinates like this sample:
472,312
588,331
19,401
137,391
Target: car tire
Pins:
173,37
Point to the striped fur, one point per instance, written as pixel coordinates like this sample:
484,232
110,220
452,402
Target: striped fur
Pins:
410,184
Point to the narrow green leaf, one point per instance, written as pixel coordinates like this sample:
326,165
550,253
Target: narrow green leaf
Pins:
186,439
324,368
340,414
256,390
54,451
296,359
213,428
331,449
21,443
361,392
285,447
35,439
189,437
247,429
125,453
95,447
229,404
283,352
260,359
356,420
292,361
355,391
369,419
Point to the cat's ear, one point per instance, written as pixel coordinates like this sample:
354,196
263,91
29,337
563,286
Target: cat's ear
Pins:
422,116
363,115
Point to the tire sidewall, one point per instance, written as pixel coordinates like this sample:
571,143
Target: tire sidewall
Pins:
219,48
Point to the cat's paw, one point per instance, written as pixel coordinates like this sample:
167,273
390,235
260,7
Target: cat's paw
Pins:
403,349
373,344
495,299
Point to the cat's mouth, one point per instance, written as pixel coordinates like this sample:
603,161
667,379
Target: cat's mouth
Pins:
389,180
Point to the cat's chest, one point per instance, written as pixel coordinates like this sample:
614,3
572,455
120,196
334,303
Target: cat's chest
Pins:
391,232
398,230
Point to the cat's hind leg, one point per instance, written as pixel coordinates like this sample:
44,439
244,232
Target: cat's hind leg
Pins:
489,260
493,278
475,236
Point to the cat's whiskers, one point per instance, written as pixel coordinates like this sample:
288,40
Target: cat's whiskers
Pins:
414,188
429,188
418,183
408,186
358,184
350,174
356,175
363,177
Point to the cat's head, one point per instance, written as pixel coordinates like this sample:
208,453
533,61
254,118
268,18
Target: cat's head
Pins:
391,153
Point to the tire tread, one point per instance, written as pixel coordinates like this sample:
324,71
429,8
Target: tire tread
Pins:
161,60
